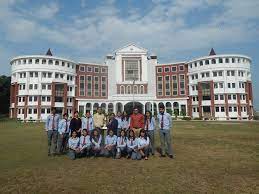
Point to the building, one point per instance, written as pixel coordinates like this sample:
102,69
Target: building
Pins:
211,87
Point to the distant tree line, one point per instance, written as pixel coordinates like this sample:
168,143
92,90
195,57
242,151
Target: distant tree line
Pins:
5,82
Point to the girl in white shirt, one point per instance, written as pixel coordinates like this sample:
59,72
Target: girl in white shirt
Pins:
85,143
143,145
96,140
132,145
73,144
121,144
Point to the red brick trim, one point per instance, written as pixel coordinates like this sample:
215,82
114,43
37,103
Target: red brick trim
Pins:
200,99
226,105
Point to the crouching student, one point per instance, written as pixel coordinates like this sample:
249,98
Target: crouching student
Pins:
73,144
96,140
63,134
121,144
132,145
85,144
143,145
110,144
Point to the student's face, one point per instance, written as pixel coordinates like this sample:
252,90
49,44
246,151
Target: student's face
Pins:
142,134
76,114
125,114
87,114
119,114
161,110
122,133
147,114
74,134
53,111
111,133
95,133
99,110
131,134
112,116
84,132
135,111
65,117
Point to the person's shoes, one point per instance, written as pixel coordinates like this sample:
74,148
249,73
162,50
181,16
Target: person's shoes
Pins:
128,157
162,155
171,156
146,158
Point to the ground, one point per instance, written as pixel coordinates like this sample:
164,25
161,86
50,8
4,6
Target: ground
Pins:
211,157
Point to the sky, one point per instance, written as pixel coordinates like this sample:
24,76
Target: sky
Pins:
88,30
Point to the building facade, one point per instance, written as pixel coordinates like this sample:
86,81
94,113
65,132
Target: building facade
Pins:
211,87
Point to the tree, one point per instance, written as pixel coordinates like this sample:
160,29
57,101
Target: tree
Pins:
4,94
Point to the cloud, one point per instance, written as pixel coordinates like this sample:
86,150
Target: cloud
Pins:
47,11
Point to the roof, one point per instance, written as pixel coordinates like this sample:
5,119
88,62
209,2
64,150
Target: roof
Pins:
49,53
212,52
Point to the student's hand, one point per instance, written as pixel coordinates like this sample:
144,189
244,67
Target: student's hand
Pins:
62,136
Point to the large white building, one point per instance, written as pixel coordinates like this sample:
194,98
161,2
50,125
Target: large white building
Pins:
211,87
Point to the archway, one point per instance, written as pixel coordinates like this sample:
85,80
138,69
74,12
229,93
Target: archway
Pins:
176,108
130,105
103,106
148,106
110,108
168,106
96,105
119,107
88,107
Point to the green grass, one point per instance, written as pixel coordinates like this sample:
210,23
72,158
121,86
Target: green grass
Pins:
211,157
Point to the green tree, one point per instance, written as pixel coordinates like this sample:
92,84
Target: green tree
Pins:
4,94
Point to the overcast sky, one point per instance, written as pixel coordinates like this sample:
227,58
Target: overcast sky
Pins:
87,30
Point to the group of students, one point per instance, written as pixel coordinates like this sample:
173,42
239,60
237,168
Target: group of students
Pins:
127,136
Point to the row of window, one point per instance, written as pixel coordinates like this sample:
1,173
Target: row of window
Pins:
221,97
221,85
218,60
43,99
222,109
170,69
136,89
83,68
229,73
45,75
43,61
89,85
43,87
173,85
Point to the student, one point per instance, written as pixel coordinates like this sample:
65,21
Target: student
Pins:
125,121
150,125
73,144
165,125
85,144
110,144
51,127
112,124
132,145
118,118
63,134
76,124
121,144
99,122
136,121
88,122
143,145
96,140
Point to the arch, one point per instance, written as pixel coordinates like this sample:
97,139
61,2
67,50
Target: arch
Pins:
122,89
160,104
37,61
201,63
176,108
96,105
207,62
227,60
50,62
135,89
56,62
88,107
148,106
142,89
119,107
44,61
220,60
213,61
154,108
110,108
168,107
130,105
30,61
103,106
128,89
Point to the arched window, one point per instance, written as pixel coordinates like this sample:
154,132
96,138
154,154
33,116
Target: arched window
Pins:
128,89
227,60
122,89
233,60
201,63
37,61
207,62
24,61
43,61
220,60
135,89
50,62
213,61
56,62
110,108
141,89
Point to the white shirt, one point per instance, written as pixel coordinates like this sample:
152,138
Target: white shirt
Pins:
73,143
143,142
87,142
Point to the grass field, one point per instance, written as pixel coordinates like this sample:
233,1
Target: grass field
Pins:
211,157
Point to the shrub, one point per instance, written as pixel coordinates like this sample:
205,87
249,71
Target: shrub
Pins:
186,118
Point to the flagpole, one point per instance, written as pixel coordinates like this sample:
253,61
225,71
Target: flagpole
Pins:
133,93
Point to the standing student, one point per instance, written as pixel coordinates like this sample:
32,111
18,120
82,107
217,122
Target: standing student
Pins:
121,144
165,125
73,144
118,118
99,122
150,125
125,121
51,127
85,143
132,145
88,122
143,145
136,121
76,124
110,144
63,133
112,124
96,140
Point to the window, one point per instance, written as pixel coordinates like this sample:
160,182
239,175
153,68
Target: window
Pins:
229,97
235,109
181,67
36,74
30,61
131,70
89,85
34,111
207,62
104,86
167,69
35,98
233,85
122,89
56,62
215,74
229,85
96,86
195,64
43,111
175,85
230,109
221,97
30,98
48,98
207,74
174,69
159,70
222,109
44,61
43,98
217,109
128,89
201,63
43,86
160,86
49,87
205,91
50,62
215,85
37,61
82,85
220,73
182,85
216,97
220,60
167,86
31,87
233,60
96,69
49,75
141,89
135,89
227,60
221,85
213,61
68,65
29,111
44,74
63,64
104,70
31,74
89,69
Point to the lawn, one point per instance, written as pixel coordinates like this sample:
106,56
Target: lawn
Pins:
211,157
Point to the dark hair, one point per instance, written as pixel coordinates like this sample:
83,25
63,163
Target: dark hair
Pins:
65,114
53,108
75,112
125,117
88,111
109,130
143,131
123,130
146,116
72,133
162,106
133,134
92,134
87,131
